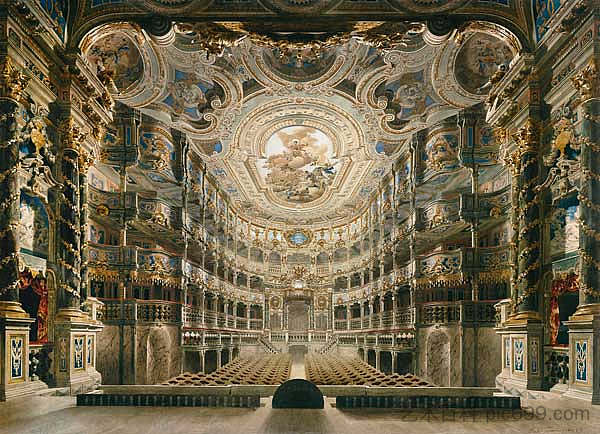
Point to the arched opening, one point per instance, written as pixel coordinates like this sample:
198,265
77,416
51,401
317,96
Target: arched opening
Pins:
385,362
192,362
404,363
210,361
224,357
371,358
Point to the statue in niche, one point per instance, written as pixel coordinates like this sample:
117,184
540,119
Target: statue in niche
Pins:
33,295
563,159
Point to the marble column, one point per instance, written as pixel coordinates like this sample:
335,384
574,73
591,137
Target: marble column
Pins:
522,333
14,321
529,248
362,314
394,309
75,331
584,325
9,206
348,316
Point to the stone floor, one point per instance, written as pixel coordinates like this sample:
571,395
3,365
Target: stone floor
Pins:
59,415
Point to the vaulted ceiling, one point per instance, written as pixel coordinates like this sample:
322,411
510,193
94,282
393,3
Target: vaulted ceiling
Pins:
299,128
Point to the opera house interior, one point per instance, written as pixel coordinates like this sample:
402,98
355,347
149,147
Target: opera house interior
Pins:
299,216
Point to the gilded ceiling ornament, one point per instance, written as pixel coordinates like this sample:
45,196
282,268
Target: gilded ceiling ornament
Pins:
214,38
587,81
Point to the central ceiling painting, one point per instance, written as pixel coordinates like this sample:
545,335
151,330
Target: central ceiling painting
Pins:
298,164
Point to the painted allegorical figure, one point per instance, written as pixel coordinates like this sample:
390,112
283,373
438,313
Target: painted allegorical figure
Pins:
117,56
299,164
543,11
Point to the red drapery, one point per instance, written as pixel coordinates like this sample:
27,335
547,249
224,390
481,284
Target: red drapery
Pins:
37,285
570,283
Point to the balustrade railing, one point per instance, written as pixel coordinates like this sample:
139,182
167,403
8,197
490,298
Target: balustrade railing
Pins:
212,340
192,316
210,318
256,324
158,311
347,340
318,337
142,311
231,321
387,318
405,317
355,323
192,338
277,337
439,313
478,311
340,324
298,337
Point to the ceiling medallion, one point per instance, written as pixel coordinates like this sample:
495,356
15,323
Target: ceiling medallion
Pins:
298,237
214,38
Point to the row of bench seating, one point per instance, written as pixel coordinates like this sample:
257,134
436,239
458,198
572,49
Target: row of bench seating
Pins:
268,369
332,369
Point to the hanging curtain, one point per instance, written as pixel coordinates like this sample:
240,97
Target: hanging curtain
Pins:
570,283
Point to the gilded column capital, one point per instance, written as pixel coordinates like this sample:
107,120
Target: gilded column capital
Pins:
513,161
527,137
587,81
86,160
72,137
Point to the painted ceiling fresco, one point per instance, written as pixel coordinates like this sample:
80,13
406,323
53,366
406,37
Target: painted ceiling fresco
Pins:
299,163
298,138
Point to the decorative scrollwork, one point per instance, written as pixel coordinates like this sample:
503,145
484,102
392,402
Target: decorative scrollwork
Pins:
214,38
12,81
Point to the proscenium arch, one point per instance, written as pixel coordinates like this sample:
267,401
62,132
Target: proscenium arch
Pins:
158,19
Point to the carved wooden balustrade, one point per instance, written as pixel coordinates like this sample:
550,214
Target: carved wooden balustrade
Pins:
141,311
